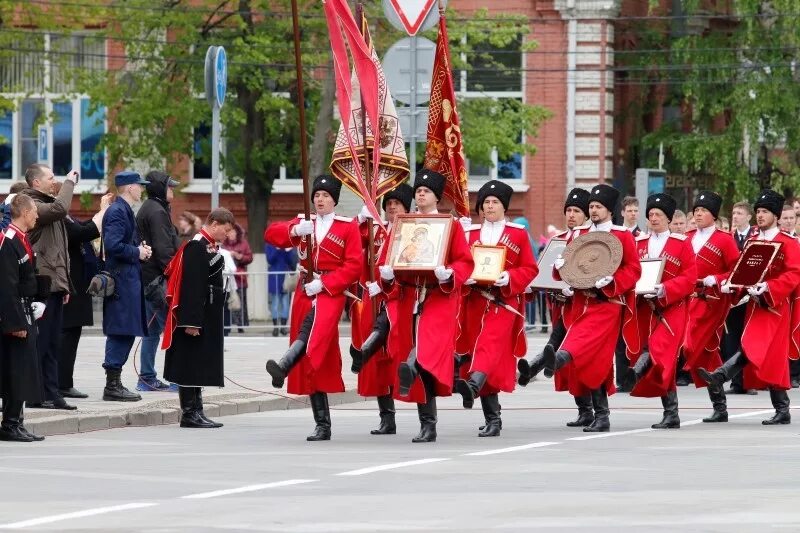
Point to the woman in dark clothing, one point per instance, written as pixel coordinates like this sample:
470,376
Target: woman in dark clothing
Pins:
237,245
78,311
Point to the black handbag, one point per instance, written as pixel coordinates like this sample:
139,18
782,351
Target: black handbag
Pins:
155,292
102,283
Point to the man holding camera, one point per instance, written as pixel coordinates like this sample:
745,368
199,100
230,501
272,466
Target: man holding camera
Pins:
49,239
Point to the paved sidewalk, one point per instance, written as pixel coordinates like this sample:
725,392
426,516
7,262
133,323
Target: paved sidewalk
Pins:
245,357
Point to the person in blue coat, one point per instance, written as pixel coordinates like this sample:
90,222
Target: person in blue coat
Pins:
123,312
279,260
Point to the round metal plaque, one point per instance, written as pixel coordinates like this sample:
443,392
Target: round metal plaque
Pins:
590,257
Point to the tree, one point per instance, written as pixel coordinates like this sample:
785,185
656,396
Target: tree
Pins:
735,78
152,91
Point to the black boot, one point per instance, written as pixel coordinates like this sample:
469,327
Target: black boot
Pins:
11,426
22,428
531,369
373,343
275,331
670,419
469,389
407,372
561,358
387,426
780,401
190,414
198,405
726,372
114,391
427,412
601,423
491,411
638,370
284,330
459,360
322,416
585,414
280,369
720,403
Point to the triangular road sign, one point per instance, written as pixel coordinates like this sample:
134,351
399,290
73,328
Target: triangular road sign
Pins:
412,13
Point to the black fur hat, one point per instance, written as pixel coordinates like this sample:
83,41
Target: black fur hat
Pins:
605,195
710,200
328,184
579,198
432,180
771,200
662,201
403,193
498,189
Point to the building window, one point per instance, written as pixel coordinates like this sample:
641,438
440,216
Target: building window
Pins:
62,138
6,144
31,116
93,160
201,165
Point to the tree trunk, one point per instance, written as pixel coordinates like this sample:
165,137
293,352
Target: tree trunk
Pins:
318,156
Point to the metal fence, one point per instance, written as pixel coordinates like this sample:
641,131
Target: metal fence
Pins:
252,308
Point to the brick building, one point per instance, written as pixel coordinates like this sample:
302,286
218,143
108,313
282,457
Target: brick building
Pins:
566,73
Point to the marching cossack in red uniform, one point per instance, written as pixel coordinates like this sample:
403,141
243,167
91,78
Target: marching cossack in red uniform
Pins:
766,337
494,317
654,331
313,362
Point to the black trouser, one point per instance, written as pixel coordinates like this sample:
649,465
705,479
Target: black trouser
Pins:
70,337
794,369
732,339
621,360
49,343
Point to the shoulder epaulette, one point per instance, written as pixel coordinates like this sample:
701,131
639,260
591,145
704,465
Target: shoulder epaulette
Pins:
10,233
619,228
679,236
561,235
515,225
302,216
642,236
585,226
343,219
474,227
788,234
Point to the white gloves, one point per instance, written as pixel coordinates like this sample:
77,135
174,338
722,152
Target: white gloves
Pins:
709,281
303,228
465,222
758,289
568,292
364,214
503,280
659,292
725,288
38,310
471,281
442,273
559,262
602,282
387,272
313,287
373,288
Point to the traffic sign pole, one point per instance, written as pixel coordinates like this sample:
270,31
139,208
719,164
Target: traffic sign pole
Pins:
412,119
215,133
216,83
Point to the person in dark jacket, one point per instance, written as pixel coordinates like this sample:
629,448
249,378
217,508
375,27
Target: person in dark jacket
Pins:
78,311
279,260
21,297
236,243
123,312
156,229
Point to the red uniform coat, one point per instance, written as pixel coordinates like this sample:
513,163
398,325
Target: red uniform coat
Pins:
707,316
378,374
643,330
595,320
438,325
337,258
765,340
494,336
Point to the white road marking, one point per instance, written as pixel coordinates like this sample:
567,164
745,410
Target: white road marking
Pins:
78,514
248,488
512,449
392,466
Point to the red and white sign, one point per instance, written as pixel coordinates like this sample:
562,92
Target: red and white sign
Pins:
412,13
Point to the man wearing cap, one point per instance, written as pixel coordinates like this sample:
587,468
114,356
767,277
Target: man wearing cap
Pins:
592,336
313,362
493,335
429,325
576,211
765,342
154,222
377,358
654,330
49,240
716,255
123,312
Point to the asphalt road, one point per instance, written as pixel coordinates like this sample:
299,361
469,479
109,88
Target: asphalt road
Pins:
259,474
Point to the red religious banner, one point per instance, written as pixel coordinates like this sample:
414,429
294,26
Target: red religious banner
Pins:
444,152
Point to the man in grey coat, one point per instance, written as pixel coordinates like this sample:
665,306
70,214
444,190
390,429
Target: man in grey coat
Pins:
49,239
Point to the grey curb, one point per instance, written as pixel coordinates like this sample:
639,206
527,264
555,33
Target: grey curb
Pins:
77,422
